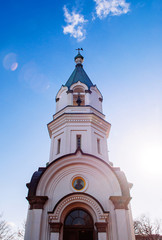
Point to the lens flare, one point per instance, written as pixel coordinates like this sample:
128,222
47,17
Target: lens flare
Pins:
32,77
10,62
14,66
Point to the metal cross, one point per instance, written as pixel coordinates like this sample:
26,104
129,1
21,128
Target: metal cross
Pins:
79,49
79,101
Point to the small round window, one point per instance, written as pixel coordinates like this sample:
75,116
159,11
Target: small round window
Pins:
78,183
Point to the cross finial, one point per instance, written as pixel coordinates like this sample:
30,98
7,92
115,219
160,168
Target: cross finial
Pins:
79,49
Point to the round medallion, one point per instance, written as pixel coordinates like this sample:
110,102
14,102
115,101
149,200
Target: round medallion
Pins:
78,183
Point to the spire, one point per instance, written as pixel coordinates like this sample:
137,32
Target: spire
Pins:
79,74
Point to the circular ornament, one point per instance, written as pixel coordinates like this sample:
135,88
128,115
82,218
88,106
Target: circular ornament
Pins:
78,183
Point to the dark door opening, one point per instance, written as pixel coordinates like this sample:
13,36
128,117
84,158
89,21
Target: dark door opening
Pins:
78,225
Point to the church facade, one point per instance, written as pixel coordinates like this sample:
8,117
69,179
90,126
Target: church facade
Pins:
79,195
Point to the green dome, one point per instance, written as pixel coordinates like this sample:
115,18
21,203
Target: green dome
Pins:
78,56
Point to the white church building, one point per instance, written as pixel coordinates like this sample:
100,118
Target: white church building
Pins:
79,195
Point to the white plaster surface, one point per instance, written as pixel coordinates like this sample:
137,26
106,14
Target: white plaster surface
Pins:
102,236
54,236
102,180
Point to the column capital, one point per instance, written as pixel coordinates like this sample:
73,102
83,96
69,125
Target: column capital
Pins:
101,226
120,202
55,227
37,202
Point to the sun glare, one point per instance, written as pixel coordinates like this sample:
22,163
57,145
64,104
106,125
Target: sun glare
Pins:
151,159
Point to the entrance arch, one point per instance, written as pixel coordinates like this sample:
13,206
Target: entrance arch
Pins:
86,203
78,225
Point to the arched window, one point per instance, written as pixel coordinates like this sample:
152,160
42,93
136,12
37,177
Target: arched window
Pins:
78,217
78,225
78,96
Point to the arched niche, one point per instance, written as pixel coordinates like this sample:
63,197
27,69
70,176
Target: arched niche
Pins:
78,90
78,96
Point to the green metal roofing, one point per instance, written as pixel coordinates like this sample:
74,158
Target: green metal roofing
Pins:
79,75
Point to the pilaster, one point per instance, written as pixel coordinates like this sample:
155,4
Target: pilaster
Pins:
102,230
121,209
55,230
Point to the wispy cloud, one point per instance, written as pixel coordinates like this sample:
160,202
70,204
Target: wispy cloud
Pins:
111,7
75,24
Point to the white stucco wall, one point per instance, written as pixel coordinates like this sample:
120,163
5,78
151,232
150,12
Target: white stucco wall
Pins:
101,183
92,98
89,163
90,127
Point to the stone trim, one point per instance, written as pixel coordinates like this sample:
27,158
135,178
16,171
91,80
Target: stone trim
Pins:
120,202
69,91
55,227
88,91
101,226
78,198
37,202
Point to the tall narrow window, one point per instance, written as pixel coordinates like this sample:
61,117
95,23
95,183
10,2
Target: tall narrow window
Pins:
78,139
98,145
58,145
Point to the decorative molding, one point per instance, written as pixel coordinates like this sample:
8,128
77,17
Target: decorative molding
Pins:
88,91
78,198
37,202
101,226
55,227
69,91
100,99
120,202
57,99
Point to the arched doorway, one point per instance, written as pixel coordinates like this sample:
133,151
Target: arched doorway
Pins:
78,225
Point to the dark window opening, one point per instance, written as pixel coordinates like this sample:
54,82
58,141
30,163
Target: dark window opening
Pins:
78,225
78,141
98,146
58,145
77,218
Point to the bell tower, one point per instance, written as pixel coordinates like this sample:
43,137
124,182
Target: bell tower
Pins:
79,195
79,121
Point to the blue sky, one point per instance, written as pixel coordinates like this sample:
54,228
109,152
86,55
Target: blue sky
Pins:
123,56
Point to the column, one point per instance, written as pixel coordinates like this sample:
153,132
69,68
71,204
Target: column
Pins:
28,225
121,208
33,226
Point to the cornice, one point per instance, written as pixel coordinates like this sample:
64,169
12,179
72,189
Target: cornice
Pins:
82,118
57,114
